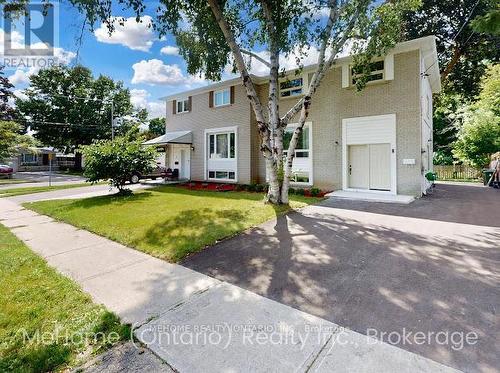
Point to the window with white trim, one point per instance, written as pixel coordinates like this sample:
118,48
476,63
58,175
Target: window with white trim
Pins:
222,175
222,97
291,87
222,145
302,165
183,106
29,158
377,72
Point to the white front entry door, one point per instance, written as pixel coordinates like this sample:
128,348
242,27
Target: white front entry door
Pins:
358,167
380,166
181,159
185,170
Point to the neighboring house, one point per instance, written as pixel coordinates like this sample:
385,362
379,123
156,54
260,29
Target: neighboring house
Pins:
377,140
38,159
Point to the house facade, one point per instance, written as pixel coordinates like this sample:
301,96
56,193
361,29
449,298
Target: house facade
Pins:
379,139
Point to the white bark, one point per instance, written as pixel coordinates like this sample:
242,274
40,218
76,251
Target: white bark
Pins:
271,131
245,77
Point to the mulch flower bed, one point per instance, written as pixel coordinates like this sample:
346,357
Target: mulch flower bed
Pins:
221,187
216,187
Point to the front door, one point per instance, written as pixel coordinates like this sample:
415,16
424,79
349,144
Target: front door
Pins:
358,167
185,170
380,166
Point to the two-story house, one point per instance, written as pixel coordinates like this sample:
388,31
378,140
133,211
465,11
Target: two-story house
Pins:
377,140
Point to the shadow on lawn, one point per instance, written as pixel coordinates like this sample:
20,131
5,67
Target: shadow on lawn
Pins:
114,199
190,231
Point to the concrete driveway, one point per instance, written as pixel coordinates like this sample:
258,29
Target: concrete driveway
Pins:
432,266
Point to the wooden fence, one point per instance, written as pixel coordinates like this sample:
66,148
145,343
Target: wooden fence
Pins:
456,172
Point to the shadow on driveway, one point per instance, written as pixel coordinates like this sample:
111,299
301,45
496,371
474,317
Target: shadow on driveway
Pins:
430,267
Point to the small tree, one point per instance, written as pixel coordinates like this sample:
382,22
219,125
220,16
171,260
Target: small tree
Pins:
156,127
7,112
116,160
12,140
479,135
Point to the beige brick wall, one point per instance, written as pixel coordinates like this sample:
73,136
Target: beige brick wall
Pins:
202,117
332,103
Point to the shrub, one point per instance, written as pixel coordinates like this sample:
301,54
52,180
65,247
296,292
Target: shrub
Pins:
252,187
315,192
300,192
116,160
292,191
260,188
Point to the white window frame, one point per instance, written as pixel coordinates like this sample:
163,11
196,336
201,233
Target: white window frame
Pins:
228,135
216,131
185,105
290,89
307,125
34,159
373,72
221,92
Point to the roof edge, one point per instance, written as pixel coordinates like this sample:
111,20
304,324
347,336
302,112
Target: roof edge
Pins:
427,44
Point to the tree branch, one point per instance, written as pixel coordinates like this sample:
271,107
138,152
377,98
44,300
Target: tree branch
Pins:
256,56
322,68
245,77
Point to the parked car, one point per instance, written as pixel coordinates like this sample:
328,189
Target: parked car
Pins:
159,171
6,171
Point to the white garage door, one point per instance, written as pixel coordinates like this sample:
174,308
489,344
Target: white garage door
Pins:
369,153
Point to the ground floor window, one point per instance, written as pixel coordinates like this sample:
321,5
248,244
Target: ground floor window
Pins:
29,158
228,175
302,163
222,146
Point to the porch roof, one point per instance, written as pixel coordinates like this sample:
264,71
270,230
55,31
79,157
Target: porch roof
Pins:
175,137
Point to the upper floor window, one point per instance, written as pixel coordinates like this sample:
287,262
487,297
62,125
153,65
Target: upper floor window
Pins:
222,145
376,72
291,87
222,97
183,106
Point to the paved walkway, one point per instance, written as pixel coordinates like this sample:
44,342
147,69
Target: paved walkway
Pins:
197,323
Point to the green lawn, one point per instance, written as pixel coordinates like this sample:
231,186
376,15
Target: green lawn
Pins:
13,181
37,301
167,222
10,192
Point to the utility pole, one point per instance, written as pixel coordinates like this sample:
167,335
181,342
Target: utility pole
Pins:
112,120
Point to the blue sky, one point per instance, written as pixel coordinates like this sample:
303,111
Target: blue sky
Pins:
134,54
151,68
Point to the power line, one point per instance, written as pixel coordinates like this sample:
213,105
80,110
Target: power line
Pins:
466,20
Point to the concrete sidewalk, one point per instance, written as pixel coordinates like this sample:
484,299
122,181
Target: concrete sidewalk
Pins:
199,324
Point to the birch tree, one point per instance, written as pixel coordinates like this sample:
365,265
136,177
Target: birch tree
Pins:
212,34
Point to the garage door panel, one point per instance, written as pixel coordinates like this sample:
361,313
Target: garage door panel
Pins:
358,167
380,166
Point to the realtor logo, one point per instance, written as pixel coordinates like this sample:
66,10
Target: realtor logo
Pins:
30,38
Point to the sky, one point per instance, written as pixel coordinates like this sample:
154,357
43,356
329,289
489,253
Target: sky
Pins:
149,66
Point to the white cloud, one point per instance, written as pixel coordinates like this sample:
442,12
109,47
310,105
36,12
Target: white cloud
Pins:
22,76
140,99
132,34
155,72
170,50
